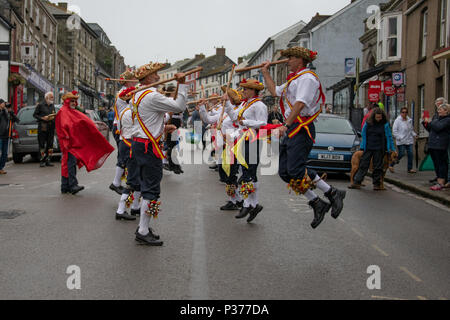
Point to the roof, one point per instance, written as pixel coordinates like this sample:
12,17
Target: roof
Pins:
274,38
337,14
213,65
6,22
57,12
316,20
98,30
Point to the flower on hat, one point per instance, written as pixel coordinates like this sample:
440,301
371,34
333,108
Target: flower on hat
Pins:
126,91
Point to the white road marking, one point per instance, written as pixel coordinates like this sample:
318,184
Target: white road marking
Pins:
357,232
386,298
421,298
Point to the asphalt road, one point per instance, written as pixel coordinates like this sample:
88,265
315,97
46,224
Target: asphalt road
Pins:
208,254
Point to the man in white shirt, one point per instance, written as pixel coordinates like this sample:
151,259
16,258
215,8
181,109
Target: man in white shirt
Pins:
303,94
119,106
150,107
251,115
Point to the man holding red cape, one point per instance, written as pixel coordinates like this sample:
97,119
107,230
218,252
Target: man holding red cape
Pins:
80,141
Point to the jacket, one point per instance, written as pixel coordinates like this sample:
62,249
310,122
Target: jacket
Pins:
439,130
390,147
403,131
6,119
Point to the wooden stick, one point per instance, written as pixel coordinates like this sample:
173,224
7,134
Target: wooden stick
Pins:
207,99
121,80
261,65
164,81
219,126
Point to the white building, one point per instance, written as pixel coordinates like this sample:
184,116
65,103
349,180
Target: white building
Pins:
5,43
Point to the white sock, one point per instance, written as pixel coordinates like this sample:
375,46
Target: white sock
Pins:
310,195
238,196
136,204
322,185
232,199
254,196
122,205
118,178
144,219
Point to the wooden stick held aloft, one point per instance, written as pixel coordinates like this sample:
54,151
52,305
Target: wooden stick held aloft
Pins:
121,80
219,126
198,69
261,65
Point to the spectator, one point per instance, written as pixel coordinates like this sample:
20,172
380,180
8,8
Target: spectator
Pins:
438,102
405,136
7,117
438,142
45,113
371,107
275,116
367,109
111,115
329,109
376,140
103,114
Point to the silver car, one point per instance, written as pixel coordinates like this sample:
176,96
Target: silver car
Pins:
25,136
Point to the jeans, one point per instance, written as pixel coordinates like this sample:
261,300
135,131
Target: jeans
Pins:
440,161
402,149
4,150
448,154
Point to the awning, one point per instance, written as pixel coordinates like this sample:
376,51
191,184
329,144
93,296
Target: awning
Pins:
87,90
442,54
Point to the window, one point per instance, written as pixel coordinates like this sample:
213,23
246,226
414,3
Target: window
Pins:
424,34
422,131
58,69
50,61
442,23
37,18
390,37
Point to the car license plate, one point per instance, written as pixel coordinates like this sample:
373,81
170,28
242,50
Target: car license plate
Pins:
32,132
333,157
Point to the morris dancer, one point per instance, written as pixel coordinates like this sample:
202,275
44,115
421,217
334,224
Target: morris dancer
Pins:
80,141
149,107
303,93
119,106
251,115
230,169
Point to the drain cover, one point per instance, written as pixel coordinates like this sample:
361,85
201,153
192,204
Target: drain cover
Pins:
11,214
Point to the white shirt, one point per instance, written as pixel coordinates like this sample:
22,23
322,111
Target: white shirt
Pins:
153,108
403,131
304,89
120,105
254,117
126,124
227,123
216,110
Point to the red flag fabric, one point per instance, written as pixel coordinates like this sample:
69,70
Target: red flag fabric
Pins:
79,135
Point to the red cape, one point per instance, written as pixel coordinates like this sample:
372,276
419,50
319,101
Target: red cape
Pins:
79,135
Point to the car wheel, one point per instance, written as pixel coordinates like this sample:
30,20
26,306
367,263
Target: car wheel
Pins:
17,158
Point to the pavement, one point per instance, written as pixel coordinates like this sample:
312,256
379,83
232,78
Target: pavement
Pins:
417,183
207,253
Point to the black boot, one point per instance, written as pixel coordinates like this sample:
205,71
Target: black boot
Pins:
244,212
336,198
151,232
240,204
125,216
76,189
320,209
135,212
48,164
148,240
119,190
230,206
254,213
42,165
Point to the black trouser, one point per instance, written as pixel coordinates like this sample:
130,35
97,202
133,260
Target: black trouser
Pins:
251,150
440,161
294,154
123,155
45,139
68,183
133,179
150,170
377,157
116,135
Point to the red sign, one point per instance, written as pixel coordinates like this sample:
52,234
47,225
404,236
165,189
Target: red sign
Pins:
375,86
389,90
374,96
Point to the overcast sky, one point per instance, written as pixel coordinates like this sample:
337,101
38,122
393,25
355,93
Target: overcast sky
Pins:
149,30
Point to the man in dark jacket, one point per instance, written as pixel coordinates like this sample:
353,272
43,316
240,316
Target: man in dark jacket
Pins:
7,117
45,114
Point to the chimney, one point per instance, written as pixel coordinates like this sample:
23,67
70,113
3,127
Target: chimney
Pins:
220,51
240,60
62,5
200,56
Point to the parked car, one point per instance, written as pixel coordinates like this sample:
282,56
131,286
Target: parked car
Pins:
25,136
336,142
101,126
